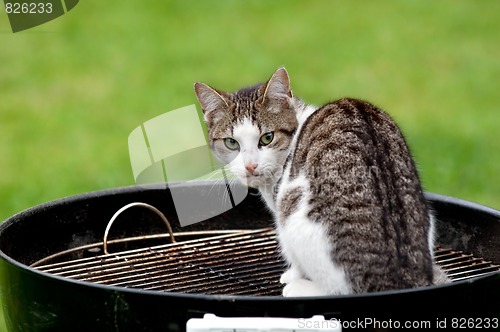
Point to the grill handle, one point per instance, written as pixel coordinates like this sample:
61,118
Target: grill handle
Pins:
128,206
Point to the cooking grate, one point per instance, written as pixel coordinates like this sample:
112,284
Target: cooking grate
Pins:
242,262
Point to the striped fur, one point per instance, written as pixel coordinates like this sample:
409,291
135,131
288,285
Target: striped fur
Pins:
350,212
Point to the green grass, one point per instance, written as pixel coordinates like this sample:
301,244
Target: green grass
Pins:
73,89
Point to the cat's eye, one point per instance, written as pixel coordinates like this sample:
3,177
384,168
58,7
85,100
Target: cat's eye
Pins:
231,143
266,138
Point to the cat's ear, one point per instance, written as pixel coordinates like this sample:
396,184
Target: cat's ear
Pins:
212,101
277,90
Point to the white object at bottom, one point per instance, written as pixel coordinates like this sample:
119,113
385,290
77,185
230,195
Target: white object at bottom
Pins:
212,323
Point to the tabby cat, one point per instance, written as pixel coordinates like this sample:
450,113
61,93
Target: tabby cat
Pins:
349,209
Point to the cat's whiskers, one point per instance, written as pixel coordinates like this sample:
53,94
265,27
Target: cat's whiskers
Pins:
215,182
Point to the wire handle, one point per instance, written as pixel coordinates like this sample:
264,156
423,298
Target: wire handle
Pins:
149,207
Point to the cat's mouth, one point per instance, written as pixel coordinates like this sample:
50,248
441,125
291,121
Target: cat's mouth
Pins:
252,180
258,179
254,175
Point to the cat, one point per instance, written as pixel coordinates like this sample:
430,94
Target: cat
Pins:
350,212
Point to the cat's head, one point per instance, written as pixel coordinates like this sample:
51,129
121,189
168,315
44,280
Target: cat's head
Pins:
251,129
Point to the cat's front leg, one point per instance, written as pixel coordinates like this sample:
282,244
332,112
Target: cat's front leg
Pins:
290,275
301,288
296,285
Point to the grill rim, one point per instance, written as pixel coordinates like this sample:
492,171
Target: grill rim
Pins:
432,198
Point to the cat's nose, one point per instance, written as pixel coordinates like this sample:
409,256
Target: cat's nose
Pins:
251,168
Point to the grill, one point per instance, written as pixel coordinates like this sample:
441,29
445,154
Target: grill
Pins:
56,273
241,262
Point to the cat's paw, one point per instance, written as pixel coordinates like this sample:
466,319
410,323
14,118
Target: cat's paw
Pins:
290,275
302,287
440,276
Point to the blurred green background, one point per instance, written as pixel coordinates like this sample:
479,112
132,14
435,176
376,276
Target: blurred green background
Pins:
73,89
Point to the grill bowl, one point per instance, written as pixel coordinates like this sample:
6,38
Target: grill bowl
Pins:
39,301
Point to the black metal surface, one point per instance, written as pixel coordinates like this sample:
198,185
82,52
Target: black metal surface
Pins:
38,301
